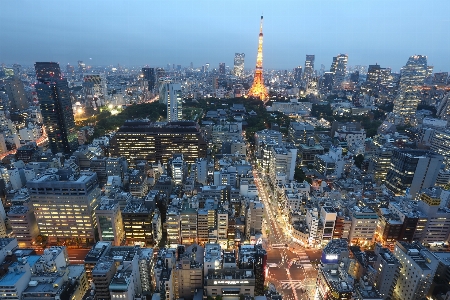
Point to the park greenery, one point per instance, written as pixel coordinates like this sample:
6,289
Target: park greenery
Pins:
106,122
262,120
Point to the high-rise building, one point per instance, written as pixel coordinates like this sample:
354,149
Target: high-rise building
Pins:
222,69
149,77
440,143
443,109
170,94
64,206
47,71
373,75
339,69
258,89
109,222
56,108
440,78
239,64
412,77
155,142
298,75
81,67
137,221
417,268
387,269
309,66
412,170
16,93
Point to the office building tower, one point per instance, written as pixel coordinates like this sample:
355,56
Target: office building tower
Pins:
47,71
373,75
327,82
81,67
143,140
309,67
300,132
188,224
109,222
417,269
149,77
380,163
69,70
258,89
239,64
443,109
412,77
254,218
413,74
64,205
387,270
437,228
440,78
171,95
354,77
364,224
412,170
137,220
222,69
56,108
23,224
298,75
339,69
16,93
440,144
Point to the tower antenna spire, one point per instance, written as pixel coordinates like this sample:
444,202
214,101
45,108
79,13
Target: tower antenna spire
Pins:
258,90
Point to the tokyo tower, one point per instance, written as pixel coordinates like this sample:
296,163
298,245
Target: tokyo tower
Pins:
258,90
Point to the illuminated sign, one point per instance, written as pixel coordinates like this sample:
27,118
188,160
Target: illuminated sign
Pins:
331,257
230,281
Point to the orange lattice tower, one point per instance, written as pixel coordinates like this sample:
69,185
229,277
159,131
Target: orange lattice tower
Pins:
258,90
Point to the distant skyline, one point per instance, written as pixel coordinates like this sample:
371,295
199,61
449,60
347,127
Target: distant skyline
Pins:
157,33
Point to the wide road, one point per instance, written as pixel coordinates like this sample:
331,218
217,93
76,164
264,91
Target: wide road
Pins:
289,265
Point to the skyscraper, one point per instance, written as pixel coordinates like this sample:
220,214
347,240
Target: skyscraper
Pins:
412,170
258,90
47,71
298,75
412,76
339,68
170,94
16,94
239,64
222,69
149,77
309,66
56,108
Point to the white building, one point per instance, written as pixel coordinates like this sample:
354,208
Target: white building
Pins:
170,94
312,221
364,225
417,269
282,160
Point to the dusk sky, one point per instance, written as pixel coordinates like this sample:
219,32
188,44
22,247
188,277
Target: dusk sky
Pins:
155,33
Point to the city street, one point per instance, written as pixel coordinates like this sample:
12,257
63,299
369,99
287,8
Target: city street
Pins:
289,265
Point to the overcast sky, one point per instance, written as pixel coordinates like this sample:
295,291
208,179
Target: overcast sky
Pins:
157,32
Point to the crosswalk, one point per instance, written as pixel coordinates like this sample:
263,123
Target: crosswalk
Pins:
296,284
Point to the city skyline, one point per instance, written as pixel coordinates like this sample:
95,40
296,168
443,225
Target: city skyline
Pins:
176,32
